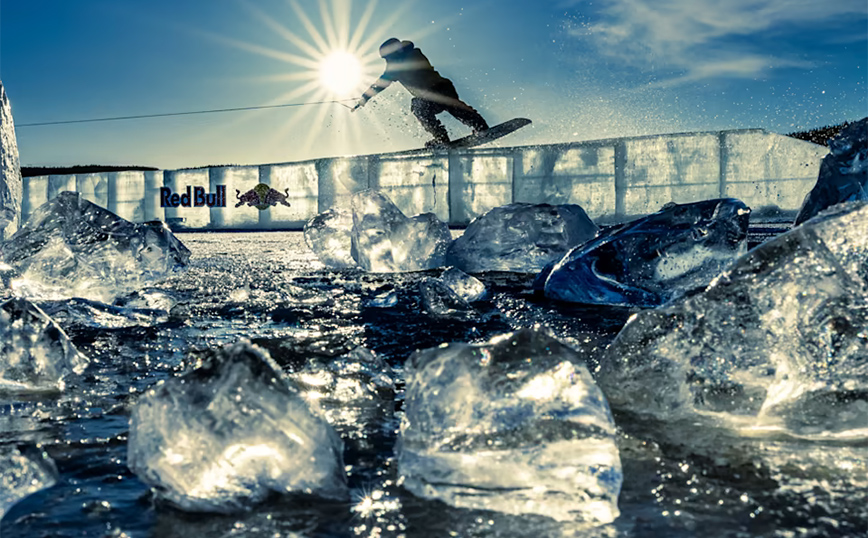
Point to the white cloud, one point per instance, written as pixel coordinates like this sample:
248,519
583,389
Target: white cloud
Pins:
707,38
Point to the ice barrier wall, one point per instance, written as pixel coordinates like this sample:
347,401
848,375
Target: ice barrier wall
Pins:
613,180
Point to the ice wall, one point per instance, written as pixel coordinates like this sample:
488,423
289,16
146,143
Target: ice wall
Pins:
10,170
769,172
566,174
613,180
301,183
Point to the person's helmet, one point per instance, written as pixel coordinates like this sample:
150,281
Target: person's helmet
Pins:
390,46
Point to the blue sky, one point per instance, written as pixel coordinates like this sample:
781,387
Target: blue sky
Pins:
581,70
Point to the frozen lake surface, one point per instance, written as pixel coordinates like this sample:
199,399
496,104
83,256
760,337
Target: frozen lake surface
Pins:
269,288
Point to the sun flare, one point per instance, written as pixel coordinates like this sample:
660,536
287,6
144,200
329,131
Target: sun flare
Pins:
341,73
329,61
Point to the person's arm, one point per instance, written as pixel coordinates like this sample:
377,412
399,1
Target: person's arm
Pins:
379,85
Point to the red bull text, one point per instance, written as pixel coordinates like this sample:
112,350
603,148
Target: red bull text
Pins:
193,197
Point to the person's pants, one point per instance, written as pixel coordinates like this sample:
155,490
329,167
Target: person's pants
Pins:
445,100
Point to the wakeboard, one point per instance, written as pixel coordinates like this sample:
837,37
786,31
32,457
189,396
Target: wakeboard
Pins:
492,134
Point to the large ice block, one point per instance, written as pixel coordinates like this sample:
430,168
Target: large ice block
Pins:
329,236
23,471
843,173
10,170
521,238
80,249
384,240
778,341
35,353
228,434
516,425
650,260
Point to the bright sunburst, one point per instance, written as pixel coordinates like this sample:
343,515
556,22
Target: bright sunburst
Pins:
341,73
333,59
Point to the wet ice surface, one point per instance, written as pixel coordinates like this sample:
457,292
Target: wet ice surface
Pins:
23,471
269,288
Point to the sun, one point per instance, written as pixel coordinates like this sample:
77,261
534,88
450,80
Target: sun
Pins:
341,73
329,61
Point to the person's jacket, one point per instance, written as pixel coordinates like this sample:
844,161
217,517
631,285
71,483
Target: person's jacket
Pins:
412,69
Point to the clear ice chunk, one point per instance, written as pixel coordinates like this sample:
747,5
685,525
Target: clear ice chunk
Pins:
386,299
439,300
94,314
10,169
82,250
384,240
23,472
468,287
346,389
7,276
648,261
843,173
520,238
35,353
226,435
329,236
147,299
516,425
777,342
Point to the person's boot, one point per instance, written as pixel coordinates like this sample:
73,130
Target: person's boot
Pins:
436,144
440,140
478,125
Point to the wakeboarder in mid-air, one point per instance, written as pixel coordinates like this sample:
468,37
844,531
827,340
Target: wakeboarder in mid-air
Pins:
432,93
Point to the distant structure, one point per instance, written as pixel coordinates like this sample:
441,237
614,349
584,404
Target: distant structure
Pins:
614,180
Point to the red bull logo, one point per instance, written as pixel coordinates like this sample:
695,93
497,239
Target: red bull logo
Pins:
262,197
193,197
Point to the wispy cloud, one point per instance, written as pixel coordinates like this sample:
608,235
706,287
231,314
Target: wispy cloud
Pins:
705,39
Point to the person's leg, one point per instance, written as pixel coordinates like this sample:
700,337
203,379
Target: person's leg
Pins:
426,112
468,116
460,110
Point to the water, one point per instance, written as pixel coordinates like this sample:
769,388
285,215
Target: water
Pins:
269,288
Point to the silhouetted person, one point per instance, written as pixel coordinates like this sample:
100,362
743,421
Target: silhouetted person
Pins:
432,93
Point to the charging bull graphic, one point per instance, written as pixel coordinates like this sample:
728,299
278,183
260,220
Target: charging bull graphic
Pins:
261,197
